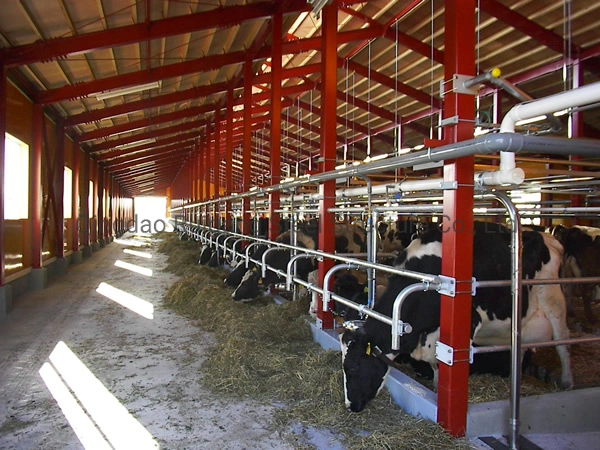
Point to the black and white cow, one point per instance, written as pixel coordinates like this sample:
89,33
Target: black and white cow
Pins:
347,240
581,259
205,254
396,236
544,310
250,285
353,286
235,276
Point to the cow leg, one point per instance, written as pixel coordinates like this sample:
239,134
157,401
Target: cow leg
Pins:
552,302
588,292
569,269
313,279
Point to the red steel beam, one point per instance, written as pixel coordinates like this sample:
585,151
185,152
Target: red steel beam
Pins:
204,64
147,157
152,102
528,27
171,162
162,165
221,17
152,134
180,139
144,123
394,84
404,39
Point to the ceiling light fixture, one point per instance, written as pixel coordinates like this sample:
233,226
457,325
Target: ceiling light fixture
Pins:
127,90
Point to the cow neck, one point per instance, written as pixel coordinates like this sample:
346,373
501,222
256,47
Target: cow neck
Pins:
378,353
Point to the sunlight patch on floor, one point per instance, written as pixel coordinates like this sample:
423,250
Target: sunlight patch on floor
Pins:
133,268
99,420
136,253
129,301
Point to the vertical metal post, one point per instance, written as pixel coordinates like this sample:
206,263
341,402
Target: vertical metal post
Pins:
247,150
457,242
576,127
36,187
328,148
516,290
275,156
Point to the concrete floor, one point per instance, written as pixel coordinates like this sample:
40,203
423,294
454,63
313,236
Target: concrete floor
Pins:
125,380
131,380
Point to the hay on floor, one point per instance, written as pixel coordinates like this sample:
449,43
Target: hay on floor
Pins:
266,352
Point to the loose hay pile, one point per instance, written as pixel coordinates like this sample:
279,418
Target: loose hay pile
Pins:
183,255
266,352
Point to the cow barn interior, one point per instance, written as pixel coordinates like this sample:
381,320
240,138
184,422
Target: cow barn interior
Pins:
140,135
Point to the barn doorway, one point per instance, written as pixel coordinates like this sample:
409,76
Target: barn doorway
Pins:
150,215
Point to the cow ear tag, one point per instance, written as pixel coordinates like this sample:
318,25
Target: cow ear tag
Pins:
368,351
254,269
366,290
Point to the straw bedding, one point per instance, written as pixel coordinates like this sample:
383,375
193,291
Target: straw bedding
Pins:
265,351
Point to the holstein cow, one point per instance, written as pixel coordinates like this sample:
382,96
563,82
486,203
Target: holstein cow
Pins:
235,276
396,236
251,282
581,259
347,240
544,310
353,286
205,254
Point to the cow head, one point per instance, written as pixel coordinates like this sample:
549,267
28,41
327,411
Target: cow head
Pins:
205,254
364,374
216,259
248,289
236,275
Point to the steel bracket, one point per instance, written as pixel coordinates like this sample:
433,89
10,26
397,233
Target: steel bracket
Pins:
458,84
449,121
447,286
449,185
444,353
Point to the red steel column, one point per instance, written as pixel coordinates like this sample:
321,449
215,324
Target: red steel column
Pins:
247,151
275,122
2,159
217,165
36,187
59,190
194,176
457,242
201,167
75,197
100,209
85,220
229,160
328,147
